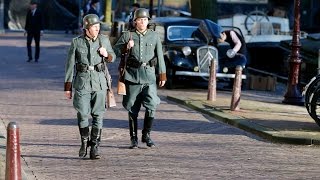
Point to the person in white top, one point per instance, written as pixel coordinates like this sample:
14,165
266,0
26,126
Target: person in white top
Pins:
237,54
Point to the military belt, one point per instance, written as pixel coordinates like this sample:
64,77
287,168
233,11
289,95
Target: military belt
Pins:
132,62
85,68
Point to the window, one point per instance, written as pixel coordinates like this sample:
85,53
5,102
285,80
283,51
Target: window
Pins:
181,33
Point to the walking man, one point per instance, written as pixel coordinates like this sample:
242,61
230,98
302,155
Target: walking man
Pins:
140,75
34,29
85,72
95,8
129,19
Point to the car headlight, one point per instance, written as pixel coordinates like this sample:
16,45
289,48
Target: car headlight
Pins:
186,50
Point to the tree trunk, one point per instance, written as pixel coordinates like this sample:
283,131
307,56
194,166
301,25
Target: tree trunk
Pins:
204,9
108,12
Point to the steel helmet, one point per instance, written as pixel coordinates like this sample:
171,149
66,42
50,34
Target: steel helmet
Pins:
141,13
34,2
89,20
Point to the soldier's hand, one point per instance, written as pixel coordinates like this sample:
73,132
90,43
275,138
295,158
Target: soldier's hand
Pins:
130,44
162,83
68,94
103,52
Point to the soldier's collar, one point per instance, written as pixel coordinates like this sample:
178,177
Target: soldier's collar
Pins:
90,39
142,33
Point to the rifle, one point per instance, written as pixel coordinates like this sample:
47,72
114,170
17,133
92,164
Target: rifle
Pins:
110,99
121,87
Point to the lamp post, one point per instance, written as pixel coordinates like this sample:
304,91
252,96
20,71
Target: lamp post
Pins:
293,95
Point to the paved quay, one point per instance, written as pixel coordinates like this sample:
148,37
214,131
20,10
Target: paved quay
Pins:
194,140
261,113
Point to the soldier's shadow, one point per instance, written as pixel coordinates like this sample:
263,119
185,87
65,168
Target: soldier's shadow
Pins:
161,125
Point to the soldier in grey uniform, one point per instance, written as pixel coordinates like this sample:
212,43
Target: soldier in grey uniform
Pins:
140,74
84,70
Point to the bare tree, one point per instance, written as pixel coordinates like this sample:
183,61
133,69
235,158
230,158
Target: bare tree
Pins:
204,9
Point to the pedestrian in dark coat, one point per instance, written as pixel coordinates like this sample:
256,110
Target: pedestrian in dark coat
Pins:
34,29
94,8
135,6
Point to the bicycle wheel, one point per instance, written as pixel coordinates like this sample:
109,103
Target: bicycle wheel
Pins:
309,90
314,106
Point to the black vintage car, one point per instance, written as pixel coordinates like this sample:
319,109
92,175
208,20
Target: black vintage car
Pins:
188,51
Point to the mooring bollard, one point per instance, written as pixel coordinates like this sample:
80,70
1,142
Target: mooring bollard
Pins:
212,85
236,91
13,163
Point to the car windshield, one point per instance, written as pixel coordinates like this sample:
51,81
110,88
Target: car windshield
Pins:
176,33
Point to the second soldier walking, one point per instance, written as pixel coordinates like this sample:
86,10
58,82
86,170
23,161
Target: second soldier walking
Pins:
140,74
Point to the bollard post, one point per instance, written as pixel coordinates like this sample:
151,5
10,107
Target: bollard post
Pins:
2,31
318,61
13,163
236,91
212,85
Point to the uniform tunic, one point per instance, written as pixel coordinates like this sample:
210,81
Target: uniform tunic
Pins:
90,86
141,82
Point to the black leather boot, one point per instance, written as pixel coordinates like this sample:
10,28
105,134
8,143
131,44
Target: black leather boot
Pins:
147,125
84,132
133,127
95,142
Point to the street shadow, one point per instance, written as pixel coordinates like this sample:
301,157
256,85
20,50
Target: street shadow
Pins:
19,73
282,125
52,157
72,145
161,125
57,37
50,68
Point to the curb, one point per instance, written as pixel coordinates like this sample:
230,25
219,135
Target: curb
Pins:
245,124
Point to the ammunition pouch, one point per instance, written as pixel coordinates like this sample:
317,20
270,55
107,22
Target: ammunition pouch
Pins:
153,62
132,62
84,67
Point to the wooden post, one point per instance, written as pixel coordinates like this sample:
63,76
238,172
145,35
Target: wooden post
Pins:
212,84
2,31
318,61
236,92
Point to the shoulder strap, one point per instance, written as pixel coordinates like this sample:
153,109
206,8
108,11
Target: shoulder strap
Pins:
130,38
99,38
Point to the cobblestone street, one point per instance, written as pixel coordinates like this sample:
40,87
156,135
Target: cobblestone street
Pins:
190,145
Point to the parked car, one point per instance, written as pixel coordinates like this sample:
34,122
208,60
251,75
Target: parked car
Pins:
188,52
169,12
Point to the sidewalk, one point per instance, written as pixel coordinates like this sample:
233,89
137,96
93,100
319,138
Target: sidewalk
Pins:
261,113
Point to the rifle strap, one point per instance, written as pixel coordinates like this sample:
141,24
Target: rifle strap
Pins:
126,54
106,71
